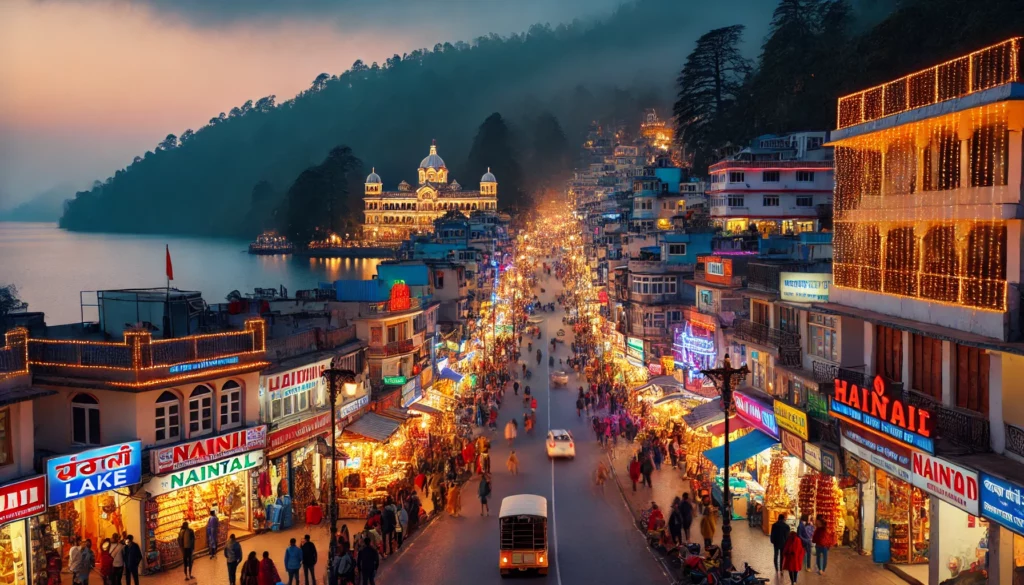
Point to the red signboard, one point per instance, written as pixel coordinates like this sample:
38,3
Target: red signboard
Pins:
884,411
401,297
318,425
22,499
208,450
602,296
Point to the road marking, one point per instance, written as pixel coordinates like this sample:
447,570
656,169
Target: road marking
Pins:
554,515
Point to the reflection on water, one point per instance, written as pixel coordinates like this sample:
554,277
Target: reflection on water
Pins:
51,266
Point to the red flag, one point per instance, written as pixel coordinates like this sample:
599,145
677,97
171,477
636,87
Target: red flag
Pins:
170,268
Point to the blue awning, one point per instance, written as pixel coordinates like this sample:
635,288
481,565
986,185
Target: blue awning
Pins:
743,448
450,374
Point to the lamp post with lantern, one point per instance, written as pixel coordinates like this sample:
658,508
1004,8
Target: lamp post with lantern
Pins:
724,378
347,378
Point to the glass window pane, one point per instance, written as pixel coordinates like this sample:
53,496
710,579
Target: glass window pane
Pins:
78,425
94,426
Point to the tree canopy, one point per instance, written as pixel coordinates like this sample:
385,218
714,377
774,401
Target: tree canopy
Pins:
492,150
320,199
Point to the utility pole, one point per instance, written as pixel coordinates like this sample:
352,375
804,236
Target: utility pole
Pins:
348,379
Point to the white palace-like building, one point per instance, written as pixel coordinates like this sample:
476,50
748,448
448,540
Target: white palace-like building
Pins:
392,216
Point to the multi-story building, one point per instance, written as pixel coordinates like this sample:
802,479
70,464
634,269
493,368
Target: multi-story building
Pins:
394,216
776,185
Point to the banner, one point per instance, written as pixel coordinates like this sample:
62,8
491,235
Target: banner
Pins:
757,414
207,450
70,477
204,473
947,481
792,419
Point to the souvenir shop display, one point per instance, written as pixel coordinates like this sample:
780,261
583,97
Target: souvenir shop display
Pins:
13,564
166,513
903,508
776,495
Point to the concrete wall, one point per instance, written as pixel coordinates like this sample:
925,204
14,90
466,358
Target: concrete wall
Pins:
22,433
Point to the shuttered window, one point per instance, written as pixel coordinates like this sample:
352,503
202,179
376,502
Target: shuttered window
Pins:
889,352
926,365
971,380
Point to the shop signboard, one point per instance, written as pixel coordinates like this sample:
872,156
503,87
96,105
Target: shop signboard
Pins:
294,381
426,378
817,404
812,455
22,499
804,287
952,483
1003,502
196,475
635,351
394,380
792,419
756,413
207,450
307,429
793,444
668,364
70,477
717,269
348,409
829,461
878,451
655,369
411,392
203,365
884,410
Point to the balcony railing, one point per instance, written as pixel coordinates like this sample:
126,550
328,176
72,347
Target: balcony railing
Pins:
647,266
824,430
825,376
980,70
770,164
960,426
12,354
762,334
315,339
853,376
393,348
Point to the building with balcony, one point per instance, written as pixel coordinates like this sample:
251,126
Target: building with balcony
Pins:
776,185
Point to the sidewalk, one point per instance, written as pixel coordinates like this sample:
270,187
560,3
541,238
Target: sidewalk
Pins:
749,544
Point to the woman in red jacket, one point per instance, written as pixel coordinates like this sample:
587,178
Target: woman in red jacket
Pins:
268,571
106,564
634,471
793,556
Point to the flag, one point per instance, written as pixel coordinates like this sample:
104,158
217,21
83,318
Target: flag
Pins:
170,268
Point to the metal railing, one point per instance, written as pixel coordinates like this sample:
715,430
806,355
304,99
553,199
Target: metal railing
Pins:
764,335
960,426
824,430
771,164
825,375
168,352
977,71
393,348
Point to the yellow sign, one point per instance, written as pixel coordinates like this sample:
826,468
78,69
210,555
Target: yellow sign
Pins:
791,419
668,364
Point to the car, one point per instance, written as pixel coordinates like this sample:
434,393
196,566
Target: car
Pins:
561,444
559,378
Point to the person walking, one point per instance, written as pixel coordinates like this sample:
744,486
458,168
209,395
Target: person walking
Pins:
779,536
389,526
267,574
309,559
646,468
251,570
85,560
343,567
513,463
73,553
675,523
510,433
402,523
106,562
805,530
708,526
187,544
484,491
686,511
821,543
132,559
579,406
368,562
634,471
233,556
212,526
292,562
792,556
117,556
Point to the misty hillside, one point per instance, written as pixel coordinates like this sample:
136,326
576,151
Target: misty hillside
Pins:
201,182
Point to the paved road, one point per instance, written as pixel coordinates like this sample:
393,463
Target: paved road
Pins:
590,531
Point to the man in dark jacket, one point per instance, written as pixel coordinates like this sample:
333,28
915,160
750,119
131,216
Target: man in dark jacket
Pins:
646,469
675,523
368,562
308,560
132,560
686,512
780,532
388,520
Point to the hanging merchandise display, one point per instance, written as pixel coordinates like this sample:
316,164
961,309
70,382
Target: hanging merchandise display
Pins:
19,501
903,509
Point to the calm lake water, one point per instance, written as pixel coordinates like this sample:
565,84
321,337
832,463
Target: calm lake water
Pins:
51,266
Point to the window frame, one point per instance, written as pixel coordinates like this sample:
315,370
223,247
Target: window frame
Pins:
230,397
818,330
195,405
677,247
805,176
736,201
770,201
167,417
89,409
737,177
771,177
804,201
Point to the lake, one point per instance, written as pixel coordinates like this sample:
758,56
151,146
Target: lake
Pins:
51,266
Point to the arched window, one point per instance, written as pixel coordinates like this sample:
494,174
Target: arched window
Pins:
85,420
168,418
200,411
230,405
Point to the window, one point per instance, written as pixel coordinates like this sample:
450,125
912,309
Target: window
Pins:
788,320
822,340
814,142
770,176
971,366
805,176
735,200
677,249
439,279
85,420
926,365
889,353
200,411
771,201
759,312
736,176
675,316
230,405
168,418
6,441
805,201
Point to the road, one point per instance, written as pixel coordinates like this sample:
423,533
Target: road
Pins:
590,531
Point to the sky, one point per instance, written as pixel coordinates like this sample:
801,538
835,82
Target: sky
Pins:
86,85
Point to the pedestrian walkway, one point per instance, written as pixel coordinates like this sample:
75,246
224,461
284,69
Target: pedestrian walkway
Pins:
749,544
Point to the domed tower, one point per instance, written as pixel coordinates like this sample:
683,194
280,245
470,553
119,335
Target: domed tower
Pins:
432,168
489,184
373,184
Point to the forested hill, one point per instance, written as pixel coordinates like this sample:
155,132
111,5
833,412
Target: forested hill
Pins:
202,181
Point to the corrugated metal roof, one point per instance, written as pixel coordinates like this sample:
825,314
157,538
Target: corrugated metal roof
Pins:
367,291
412,274
374,426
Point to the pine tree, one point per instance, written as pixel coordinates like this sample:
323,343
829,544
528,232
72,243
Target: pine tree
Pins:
318,200
492,148
550,159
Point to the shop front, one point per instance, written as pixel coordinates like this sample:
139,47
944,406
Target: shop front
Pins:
21,552
88,498
1002,503
297,466
219,474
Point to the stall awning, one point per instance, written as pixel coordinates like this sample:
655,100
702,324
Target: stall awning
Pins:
735,424
450,374
401,414
374,426
743,448
672,397
424,408
705,414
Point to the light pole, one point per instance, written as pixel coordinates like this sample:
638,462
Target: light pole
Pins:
348,380
724,377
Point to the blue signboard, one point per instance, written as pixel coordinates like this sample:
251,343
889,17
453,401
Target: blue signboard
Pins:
1002,502
193,366
70,477
913,439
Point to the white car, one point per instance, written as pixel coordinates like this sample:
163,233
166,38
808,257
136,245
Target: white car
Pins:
560,378
561,444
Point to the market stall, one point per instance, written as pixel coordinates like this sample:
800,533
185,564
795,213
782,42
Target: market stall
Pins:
375,457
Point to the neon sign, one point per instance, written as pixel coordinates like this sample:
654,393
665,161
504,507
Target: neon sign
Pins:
193,366
884,412
401,297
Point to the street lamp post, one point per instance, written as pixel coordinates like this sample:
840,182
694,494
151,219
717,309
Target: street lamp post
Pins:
724,377
348,379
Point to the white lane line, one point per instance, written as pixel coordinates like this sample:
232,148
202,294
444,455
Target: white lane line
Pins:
554,515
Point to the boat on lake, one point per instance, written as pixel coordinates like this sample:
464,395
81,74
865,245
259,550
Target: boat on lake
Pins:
269,243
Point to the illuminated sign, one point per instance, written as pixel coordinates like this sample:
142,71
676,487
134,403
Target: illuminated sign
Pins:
401,297
204,473
312,427
352,407
717,269
883,411
1003,502
635,351
394,380
22,499
792,444
208,450
70,477
804,287
759,415
812,455
294,381
194,366
655,368
792,419
949,482
880,452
